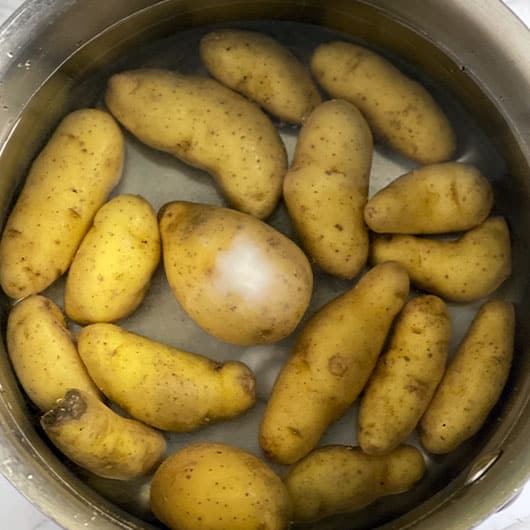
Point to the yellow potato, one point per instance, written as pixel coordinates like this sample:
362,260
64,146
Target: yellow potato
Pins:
463,270
66,185
96,438
406,376
262,69
473,382
167,388
434,199
399,110
337,478
43,352
331,362
111,270
219,487
206,125
327,187
236,277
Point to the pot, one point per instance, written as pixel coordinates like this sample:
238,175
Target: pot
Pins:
55,56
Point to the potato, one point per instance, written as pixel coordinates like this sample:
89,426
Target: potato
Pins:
208,126
399,110
219,487
66,185
405,376
463,270
473,382
434,199
337,478
262,69
331,362
236,277
96,438
111,270
43,352
167,388
327,187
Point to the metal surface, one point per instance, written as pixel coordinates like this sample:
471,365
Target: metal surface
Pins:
474,61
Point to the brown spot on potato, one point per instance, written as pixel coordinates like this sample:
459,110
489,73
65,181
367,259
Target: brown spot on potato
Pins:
338,365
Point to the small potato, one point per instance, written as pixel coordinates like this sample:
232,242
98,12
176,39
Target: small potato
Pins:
473,382
96,438
236,277
66,185
219,487
331,362
406,376
208,126
167,388
327,187
463,270
337,478
111,270
262,69
399,110
43,352
434,199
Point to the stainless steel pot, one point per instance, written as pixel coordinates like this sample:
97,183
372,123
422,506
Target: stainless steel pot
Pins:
51,51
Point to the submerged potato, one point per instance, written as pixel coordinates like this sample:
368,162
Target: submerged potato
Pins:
66,185
236,277
167,388
110,273
262,69
406,376
207,126
96,438
399,110
43,352
327,187
474,380
337,478
331,362
434,199
463,270
219,487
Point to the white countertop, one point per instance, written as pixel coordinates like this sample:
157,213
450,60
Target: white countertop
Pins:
19,514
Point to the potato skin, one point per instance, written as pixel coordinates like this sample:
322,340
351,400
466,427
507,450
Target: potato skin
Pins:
236,277
474,380
406,376
331,362
43,352
167,388
208,126
219,487
67,183
112,268
463,270
327,187
434,199
96,438
399,110
263,70
337,478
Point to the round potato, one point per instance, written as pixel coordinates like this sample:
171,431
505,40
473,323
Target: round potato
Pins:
218,487
236,277
327,187
399,110
434,199
66,185
208,126
473,382
43,352
262,69
111,270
